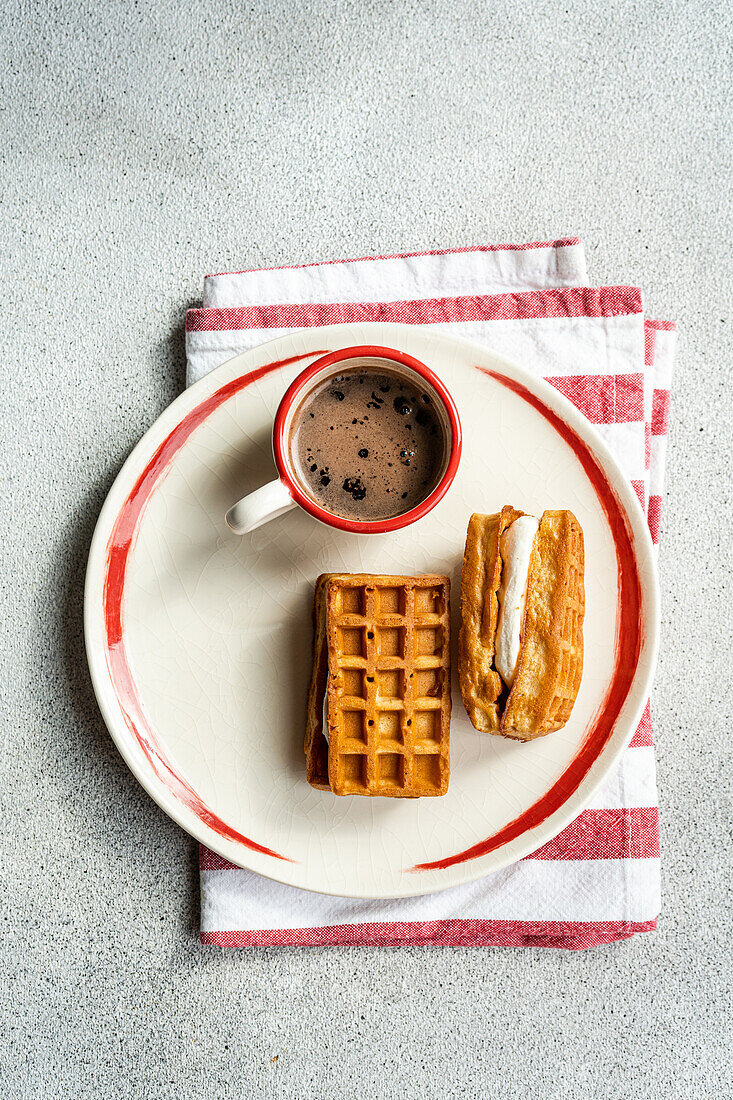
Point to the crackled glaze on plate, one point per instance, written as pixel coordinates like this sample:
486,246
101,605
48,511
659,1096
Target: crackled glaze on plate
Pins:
199,640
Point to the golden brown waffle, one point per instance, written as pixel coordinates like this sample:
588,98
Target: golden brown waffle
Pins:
381,657
481,684
550,663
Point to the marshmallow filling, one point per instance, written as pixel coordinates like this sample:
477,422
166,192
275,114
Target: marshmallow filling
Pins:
515,549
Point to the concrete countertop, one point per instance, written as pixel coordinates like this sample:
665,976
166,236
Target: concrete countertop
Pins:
143,145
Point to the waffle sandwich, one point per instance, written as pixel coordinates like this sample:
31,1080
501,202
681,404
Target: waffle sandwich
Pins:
520,650
379,702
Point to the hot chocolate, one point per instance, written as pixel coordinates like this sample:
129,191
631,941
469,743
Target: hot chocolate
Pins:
368,444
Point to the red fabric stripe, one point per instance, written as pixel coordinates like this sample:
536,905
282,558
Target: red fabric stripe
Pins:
563,242
660,412
662,326
647,445
212,861
604,399
572,935
643,737
631,833
640,490
607,301
655,515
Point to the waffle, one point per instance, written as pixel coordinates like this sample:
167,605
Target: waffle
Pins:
550,663
381,660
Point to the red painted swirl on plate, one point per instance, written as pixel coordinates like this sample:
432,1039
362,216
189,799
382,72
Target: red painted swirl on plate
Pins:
629,638
118,553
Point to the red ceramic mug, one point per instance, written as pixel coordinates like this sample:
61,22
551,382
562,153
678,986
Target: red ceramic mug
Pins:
288,490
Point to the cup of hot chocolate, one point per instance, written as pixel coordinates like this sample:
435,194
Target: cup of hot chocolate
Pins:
366,439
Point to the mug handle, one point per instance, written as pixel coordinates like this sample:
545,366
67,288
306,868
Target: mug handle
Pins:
264,504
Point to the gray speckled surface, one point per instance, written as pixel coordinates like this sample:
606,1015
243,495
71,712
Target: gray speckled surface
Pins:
144,144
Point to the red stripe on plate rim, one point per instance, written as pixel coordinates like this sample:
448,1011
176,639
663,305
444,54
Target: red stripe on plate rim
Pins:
627,647
119,546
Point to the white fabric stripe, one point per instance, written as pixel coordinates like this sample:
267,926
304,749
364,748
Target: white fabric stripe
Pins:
648,399
532,890
633,784
628,444
656,468
648,393
392,279
663,369
551,346
661,372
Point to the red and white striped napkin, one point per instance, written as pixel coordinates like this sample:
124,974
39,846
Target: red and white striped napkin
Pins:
598,880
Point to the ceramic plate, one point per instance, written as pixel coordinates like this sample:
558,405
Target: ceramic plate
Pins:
199,641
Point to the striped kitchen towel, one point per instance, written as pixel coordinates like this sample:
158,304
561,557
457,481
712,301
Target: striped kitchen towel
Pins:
598,880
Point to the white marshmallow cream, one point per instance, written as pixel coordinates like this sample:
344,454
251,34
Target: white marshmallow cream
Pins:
515,548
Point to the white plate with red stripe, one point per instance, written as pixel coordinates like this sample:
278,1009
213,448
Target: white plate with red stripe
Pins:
199,641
